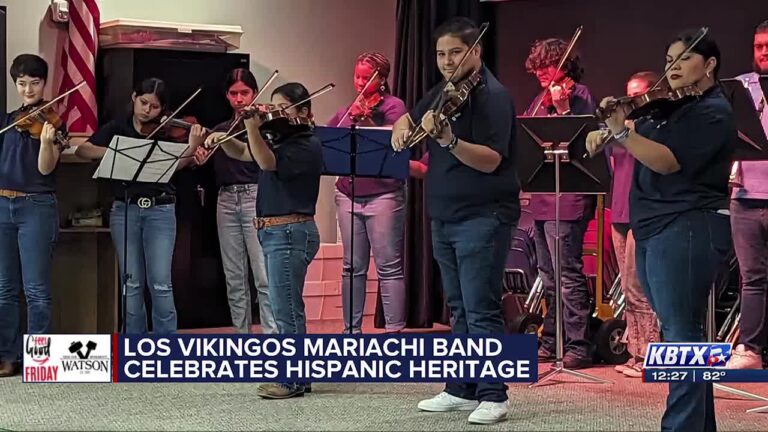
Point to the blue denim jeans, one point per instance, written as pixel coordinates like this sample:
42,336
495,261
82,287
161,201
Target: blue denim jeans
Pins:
471,255
575,292
151,239
378,225
29,226
749,227
239,243
677,268
288,250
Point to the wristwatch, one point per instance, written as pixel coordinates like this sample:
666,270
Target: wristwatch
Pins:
452,144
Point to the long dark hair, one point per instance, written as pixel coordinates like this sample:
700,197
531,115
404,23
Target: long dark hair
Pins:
242,75
707,47
154,86
295,92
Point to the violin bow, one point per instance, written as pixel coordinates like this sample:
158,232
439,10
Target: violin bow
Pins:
359,95
418,133
253,101
702,32
173,114
325,89
563,59
37,110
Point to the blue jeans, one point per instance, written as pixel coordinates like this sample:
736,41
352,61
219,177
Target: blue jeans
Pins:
378,224
471,256
749,220
29,226
151,239
288,250
677,268
576,299
239,243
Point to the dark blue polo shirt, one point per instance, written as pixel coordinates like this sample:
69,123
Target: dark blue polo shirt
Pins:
700,135
293,187
123,126
18,161
456,192
232,171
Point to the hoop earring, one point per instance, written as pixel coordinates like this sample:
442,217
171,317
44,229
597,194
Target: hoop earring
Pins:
708,74
383,87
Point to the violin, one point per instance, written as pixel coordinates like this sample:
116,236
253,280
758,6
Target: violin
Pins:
33,124
566,83
657,101
363,109
175,130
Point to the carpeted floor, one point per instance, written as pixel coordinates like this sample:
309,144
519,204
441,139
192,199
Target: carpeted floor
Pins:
625,405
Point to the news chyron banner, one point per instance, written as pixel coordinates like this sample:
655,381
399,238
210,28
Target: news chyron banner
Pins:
297,358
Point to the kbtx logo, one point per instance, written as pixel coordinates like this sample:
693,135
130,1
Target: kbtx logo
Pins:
687,355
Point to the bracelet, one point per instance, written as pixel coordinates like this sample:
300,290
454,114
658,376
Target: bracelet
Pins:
622,136
452,144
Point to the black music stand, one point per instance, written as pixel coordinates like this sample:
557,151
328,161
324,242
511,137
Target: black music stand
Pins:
551,148
360,152
132,160
751,145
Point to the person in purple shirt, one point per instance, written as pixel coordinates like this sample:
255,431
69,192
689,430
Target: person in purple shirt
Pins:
749,225
642,327
575,210
378,204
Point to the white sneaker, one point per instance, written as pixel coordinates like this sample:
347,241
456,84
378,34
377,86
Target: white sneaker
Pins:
489,413
742,358
446,402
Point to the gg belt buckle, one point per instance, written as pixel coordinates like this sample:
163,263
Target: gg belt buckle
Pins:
144,202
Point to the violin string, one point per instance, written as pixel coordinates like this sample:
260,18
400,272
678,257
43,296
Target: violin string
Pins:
39,110
702,32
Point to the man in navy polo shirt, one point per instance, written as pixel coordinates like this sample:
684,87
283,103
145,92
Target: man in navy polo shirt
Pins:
472,195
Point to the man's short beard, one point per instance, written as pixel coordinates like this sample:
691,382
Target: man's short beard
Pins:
757,69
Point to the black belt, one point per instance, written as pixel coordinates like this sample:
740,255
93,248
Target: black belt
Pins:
148,201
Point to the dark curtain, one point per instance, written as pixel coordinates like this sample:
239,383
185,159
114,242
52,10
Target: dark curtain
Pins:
415,74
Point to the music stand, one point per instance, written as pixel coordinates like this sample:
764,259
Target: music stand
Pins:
751,145
550,148
360,152
131,160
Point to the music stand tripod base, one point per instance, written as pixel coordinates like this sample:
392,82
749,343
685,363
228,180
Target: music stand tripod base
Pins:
556,140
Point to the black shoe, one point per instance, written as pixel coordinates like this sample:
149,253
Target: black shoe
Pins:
280,391
308,388
573,361
545,355
9,368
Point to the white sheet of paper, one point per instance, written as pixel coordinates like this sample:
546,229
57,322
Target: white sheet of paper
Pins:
124,156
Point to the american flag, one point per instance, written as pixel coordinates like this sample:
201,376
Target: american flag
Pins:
78,61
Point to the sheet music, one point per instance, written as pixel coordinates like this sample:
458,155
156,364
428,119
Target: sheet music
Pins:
125,154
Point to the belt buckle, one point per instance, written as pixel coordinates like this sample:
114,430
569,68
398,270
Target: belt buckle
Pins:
144,202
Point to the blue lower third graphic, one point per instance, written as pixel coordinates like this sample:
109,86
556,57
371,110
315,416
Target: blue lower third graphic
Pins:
327,358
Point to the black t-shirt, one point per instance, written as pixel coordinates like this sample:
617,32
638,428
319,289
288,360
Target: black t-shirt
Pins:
232,171
294,185
700,135
456,192
123,126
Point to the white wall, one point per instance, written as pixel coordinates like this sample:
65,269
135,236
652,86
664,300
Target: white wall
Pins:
311,41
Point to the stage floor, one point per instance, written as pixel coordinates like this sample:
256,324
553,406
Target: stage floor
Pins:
625,405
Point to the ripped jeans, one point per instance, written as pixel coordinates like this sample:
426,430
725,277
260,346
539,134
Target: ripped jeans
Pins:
151,239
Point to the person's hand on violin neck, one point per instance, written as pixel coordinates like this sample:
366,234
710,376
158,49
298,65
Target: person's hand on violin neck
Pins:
251,117
617,114
196,135
48,135
439,129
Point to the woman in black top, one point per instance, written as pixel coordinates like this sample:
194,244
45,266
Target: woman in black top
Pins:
678,210
151,214
289,183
